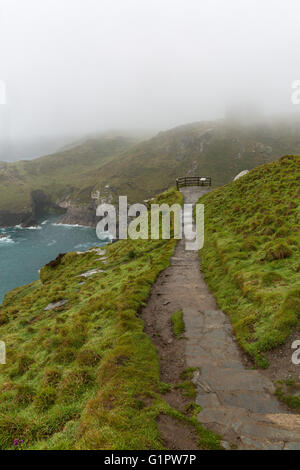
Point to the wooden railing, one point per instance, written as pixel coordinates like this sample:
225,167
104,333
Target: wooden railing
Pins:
193,181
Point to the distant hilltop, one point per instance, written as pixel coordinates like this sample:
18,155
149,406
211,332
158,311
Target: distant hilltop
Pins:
114,164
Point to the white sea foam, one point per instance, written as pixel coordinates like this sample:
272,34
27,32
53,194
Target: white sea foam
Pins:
6,240
34,227
85,245
105,237
71,226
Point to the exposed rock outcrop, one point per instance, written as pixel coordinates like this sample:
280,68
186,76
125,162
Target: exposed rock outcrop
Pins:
85,214
55,305
41,204
79,215
242,173
9,219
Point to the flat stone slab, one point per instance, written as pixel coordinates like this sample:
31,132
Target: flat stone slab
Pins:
209,400
256,402
98,251
250,427
235,380
262,444
55,305
292,446
92,272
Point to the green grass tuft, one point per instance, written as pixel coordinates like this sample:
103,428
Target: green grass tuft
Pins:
178,323
288,393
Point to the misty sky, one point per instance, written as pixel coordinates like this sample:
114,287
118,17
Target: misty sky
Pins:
78,66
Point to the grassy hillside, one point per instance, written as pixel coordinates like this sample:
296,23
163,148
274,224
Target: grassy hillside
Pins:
61,176
115,166
251,256
85,375
218,149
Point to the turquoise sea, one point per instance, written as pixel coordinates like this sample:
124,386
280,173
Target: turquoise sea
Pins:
23,251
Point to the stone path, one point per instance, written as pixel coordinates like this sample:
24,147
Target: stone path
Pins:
237,402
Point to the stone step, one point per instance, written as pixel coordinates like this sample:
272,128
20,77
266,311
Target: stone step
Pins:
253,429
227,380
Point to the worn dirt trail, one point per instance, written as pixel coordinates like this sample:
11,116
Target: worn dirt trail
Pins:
238,402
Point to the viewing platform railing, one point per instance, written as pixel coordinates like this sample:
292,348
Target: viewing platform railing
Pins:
193,181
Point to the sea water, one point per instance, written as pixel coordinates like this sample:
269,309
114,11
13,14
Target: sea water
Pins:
23,251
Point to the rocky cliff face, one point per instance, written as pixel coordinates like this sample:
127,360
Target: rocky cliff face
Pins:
41,205
79,215
9,219
85,214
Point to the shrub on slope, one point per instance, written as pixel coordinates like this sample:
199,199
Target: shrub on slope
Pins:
251,256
